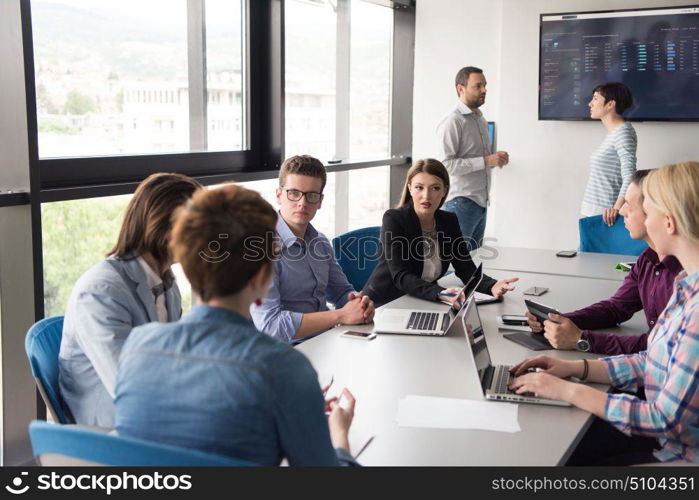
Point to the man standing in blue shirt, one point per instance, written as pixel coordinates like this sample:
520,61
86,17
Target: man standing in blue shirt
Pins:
306,276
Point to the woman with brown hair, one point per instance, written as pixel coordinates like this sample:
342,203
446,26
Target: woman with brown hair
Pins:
419,242
237,392
133,286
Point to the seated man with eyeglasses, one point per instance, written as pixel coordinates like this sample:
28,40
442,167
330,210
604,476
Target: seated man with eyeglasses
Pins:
306,275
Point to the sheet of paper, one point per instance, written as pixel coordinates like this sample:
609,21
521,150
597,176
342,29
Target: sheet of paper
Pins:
447,413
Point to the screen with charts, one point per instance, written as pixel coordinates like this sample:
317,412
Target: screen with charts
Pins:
655,52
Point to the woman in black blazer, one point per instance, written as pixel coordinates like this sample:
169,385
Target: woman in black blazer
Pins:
419,241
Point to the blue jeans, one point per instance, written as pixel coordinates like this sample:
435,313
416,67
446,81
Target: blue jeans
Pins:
471,219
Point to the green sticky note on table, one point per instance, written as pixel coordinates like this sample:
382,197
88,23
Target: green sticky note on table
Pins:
624,267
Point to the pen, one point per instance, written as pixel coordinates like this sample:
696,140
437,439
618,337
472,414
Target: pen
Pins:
330,384
444,294
365,446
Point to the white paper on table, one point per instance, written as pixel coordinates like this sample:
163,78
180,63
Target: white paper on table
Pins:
448,413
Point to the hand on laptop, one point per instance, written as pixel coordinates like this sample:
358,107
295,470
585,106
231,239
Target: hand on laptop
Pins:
563,334
543,385
502,287
556,367
534,323
547,383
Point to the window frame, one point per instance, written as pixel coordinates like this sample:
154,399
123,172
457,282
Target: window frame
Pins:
263,71
63,179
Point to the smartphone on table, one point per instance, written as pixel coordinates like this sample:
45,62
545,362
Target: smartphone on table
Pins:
515,320
358,335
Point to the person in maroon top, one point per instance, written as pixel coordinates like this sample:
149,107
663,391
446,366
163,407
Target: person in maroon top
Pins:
648,286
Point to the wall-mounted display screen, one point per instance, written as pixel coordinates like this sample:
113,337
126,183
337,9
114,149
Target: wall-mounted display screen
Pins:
655,52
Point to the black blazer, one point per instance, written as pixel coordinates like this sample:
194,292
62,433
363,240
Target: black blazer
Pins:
400,264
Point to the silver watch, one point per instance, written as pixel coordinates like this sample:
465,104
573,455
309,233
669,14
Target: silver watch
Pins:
582,345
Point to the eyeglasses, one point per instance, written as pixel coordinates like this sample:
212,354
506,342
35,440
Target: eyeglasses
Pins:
295,195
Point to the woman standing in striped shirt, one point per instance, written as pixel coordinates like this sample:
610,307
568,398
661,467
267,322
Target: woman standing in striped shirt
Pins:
665,426
614,161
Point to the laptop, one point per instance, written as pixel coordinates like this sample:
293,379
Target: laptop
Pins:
425,322
494,380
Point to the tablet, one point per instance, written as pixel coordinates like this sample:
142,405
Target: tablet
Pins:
540,310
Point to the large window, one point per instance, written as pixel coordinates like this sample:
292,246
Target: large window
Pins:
310,78
370,80
338,101
116,78
126,88
338,69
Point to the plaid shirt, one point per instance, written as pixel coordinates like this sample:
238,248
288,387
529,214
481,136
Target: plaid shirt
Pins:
669,371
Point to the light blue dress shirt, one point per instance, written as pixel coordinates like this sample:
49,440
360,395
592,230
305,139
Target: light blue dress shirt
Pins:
107,302
306,278
212,382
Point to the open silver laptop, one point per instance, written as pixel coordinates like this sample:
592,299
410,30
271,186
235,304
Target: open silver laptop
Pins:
494,380
432,323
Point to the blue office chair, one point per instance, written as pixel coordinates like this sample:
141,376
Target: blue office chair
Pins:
596,236
357,252
70,445
42,344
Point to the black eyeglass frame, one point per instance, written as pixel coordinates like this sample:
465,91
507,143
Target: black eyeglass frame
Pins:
303,193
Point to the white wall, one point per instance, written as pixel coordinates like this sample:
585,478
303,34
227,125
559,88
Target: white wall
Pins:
536,198
451,34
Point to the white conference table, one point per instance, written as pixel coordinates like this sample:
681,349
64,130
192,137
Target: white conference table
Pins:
534,260
383,371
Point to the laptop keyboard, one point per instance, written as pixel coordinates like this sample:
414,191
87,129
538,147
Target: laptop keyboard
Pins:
503,377
502,380
423,321
445,322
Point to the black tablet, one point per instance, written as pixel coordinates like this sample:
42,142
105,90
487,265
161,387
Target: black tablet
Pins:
539,310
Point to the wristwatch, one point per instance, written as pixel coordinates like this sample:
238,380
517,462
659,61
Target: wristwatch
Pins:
582,345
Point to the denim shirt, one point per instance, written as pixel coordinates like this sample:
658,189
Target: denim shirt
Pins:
107,302
212,382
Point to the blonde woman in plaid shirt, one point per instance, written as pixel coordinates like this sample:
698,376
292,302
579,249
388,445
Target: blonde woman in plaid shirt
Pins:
664,426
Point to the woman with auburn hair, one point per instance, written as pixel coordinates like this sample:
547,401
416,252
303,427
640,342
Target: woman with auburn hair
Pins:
238,392
419,242
133,286
665,425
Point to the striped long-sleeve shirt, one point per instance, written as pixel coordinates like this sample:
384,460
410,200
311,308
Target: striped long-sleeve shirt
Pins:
669,371
611,166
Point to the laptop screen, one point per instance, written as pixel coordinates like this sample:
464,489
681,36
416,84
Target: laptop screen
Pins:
466,292
476,337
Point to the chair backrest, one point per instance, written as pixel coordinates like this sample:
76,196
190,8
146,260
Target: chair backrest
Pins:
42,344
57,445
357,252
596,236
